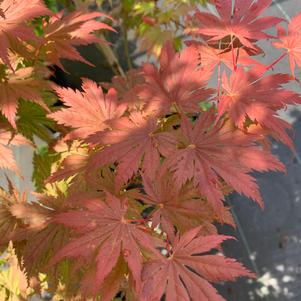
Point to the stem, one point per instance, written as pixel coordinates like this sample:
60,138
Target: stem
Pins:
126,47
233,55
219,76
275,62
219,81
110,56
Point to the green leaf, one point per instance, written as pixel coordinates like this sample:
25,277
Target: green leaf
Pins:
144,8
177,43
32,121
205,106
42,162
128,5
51,4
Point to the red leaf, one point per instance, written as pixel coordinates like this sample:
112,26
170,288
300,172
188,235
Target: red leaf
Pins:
104,234
247,95
179,82
125,87
206,153
185,276
182,207
131,140
243,24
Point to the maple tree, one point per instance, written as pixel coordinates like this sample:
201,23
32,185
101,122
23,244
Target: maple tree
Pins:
134,172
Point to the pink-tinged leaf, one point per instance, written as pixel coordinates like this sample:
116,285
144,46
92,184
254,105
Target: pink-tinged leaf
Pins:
87,111
111,285
63,33
130,140
295,24
243,25
105,233
180,207
184,276
7,160
178,83
246,96
224,8
291,42
125,87
13,18
211,57
208,153
257,7
20,84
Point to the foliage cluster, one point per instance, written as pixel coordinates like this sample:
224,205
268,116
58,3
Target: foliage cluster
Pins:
132,180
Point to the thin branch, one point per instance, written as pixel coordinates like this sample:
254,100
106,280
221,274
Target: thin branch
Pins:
110,56
126,46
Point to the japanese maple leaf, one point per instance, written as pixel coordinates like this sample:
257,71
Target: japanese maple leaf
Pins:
13,17
112,284
63,33
185,274
246,95
20,84
9,222
207,152
87,111
182,207
130,140
291,42
14,281
105,233
41,238
72,165
124,85
179,83
243,24
7,139
211,57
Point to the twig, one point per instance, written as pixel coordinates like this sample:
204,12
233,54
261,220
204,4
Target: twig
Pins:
110,56
126,46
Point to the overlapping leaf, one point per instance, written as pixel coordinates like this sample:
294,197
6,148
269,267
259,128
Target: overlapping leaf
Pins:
185,274
179,83
32,121
291,41
87,111
246,95
243,23
7,139
105,233
13,279
206,152
20,84
182,207
63,33
130,140
13,18
9,222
